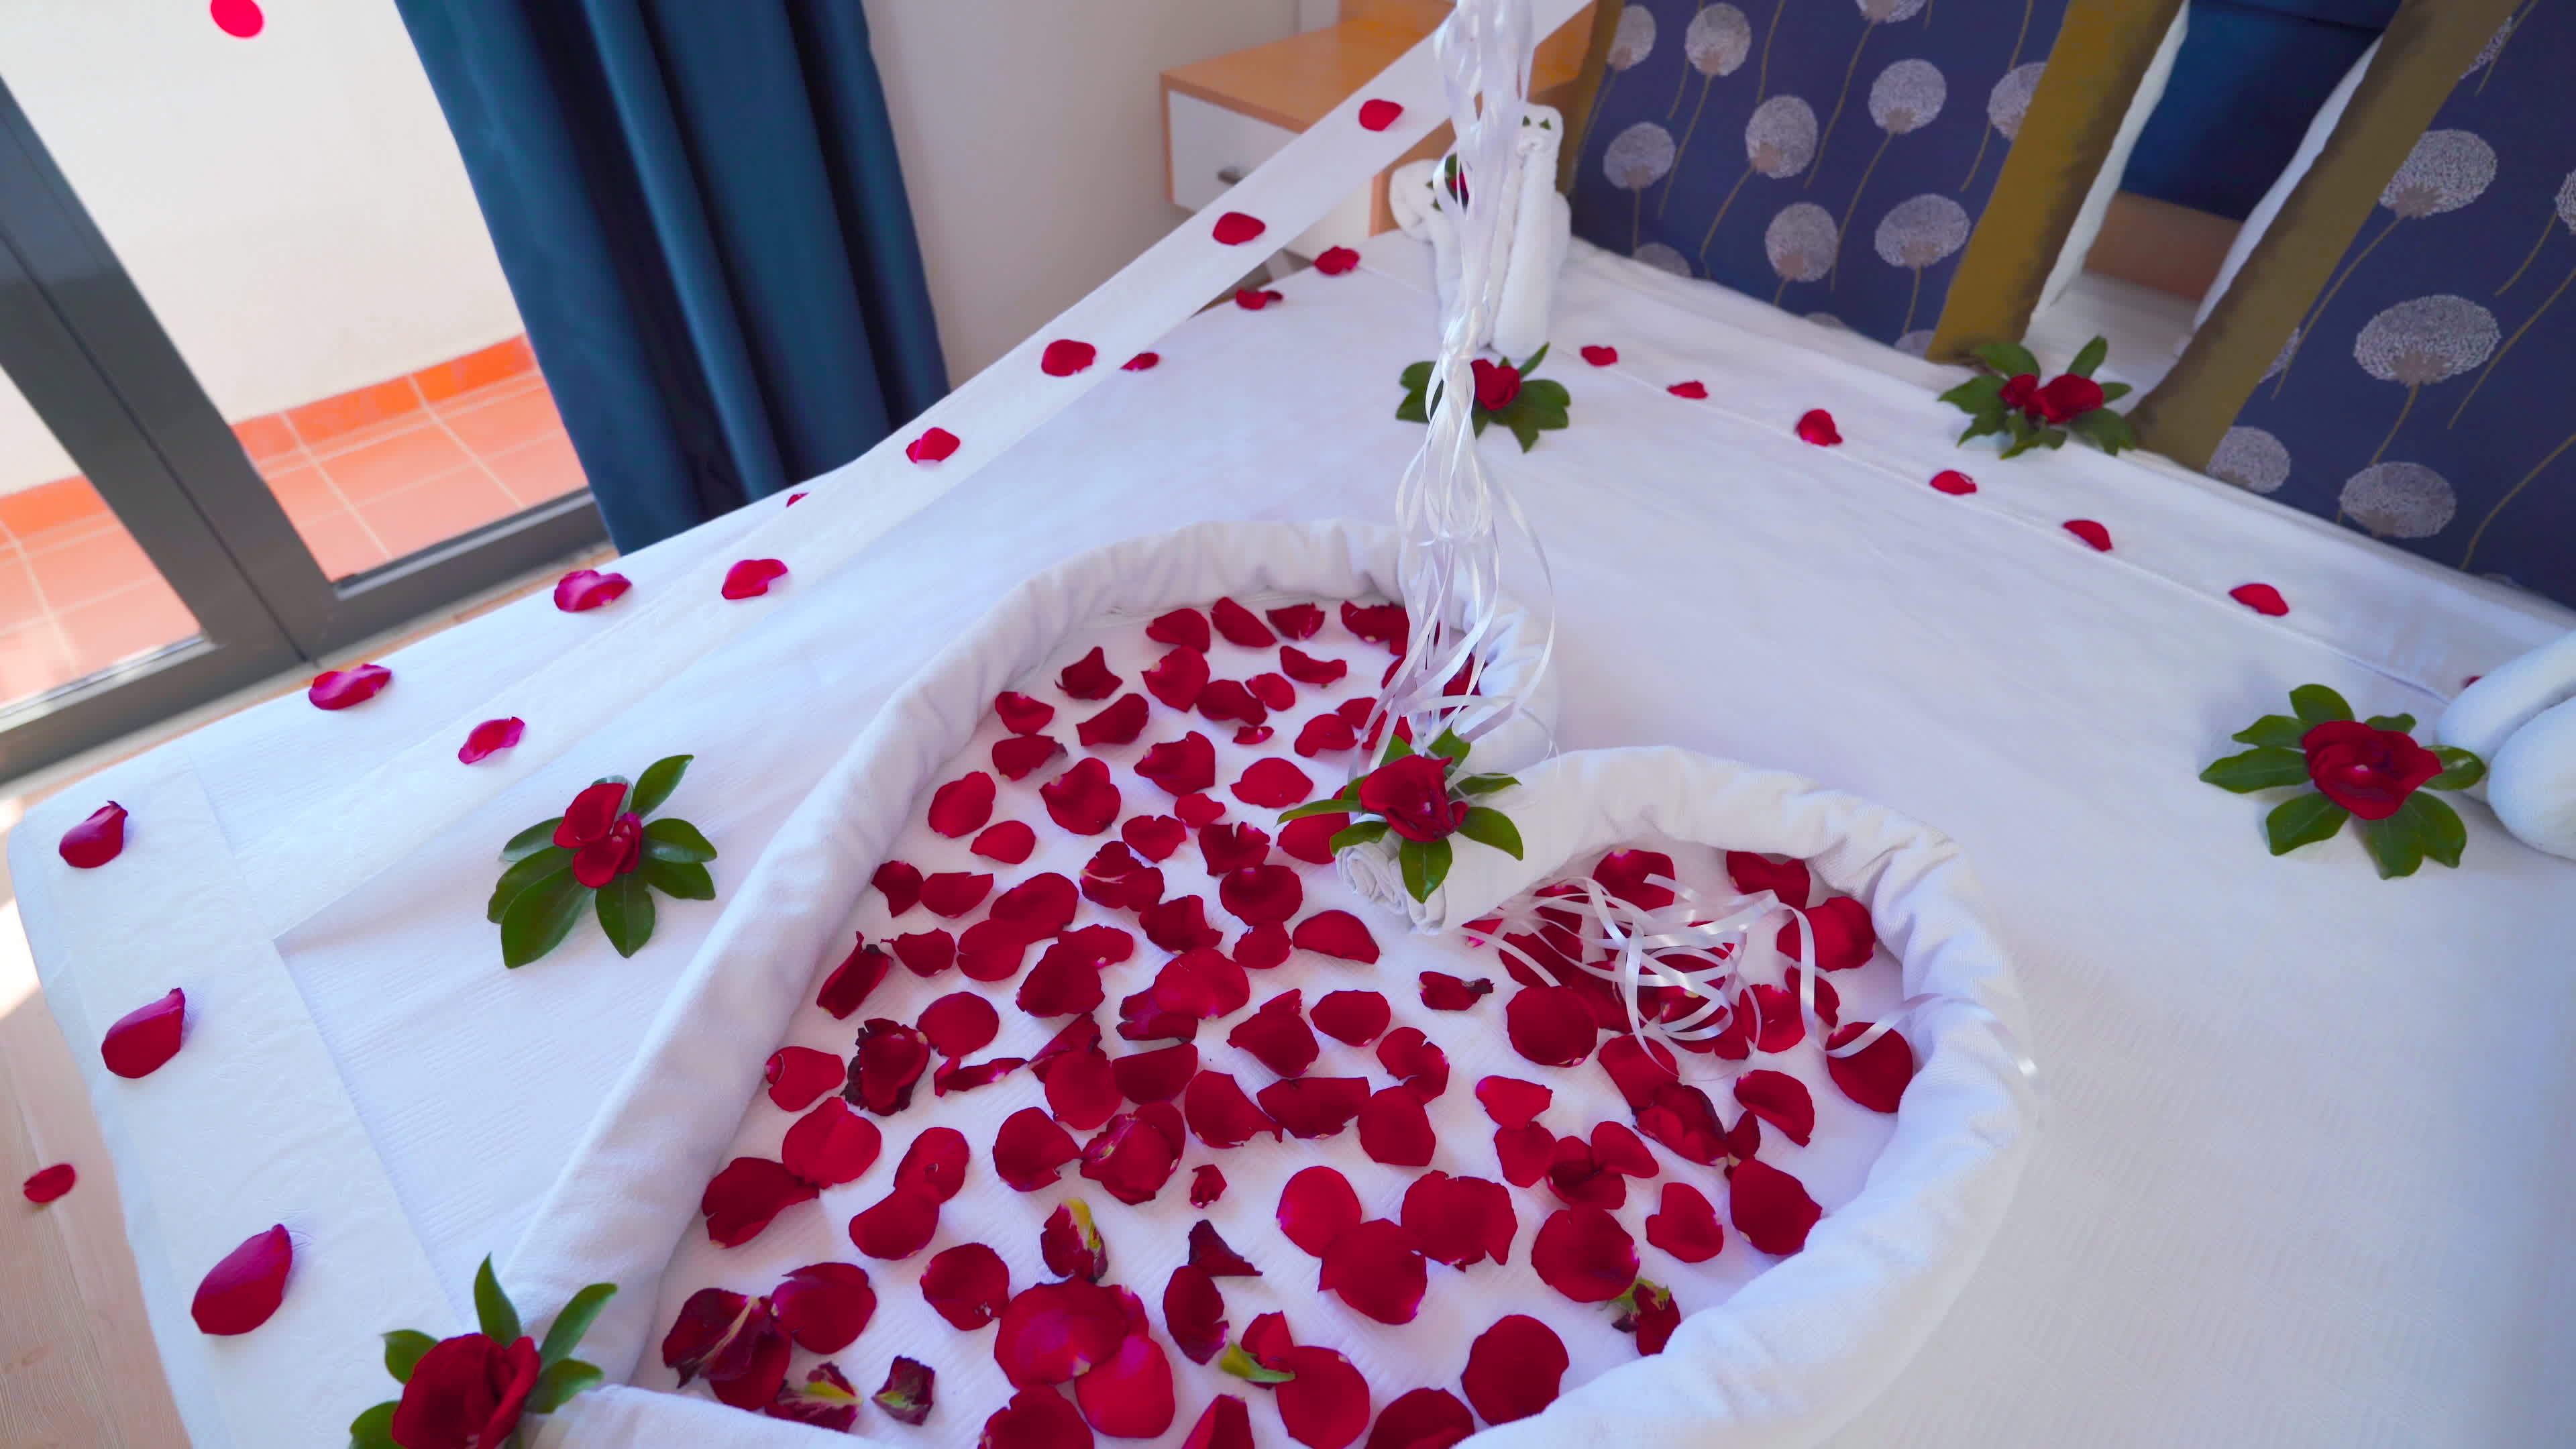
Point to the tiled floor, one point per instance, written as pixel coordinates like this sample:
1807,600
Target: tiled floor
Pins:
366,477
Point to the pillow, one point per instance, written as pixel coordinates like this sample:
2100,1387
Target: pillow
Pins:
2261,217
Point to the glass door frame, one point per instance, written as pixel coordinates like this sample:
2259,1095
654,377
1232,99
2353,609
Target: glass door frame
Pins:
85,350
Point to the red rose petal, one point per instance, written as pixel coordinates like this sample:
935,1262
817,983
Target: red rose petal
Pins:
1583,1253
1142,362
1876,1075
582,590
1064,357
1771,1208
1376,1268
1460,1221
954,1076
1081,1089
751,577
1692,390
490,738
1066,982
1031,1151
1786,879
1326,1406
1514,1369
2261,598
1322,735
1207,1184
745,1194
1444,992
1315,1207
1130,1396
1240,625
1179,924
1817,426
144,1038
2091,532
1185,766
1296,621
1041,905
1395,1130
824,1306
1229,847
1277,1034
1210,1254
1377,115
926,953
1010,842
1140,1019
711,1321
900,884
1333,261
1314,1106
1512,1102
1253,299
952,893
1036,1418
1154,837
1119,724
341,688
1187,628
1019,756
1422,1419
1088,677
1357,1017
1054,1331
1262,895
1619,1150
1306,668
1686,1226
961,806
1338,934
898,1227
1845,935
1082,799
1309,838
960,1024
1178,679
1652,1316
1262,947
241,1291
1266,1339
1781,1100
1377,623
1601,356
1155,1076
96,840
1226,1424
830,1145
969,1285
933,446
1197,810
1231,699
859,973
1631,875
1233,229
1635,1069
1194,1313
1414,1060
1219,1113
1273,784
1550,1025
1254,735
48,1183
1579,1181
1523,1153
890,1060
1682,1118
1022,715
1070,1243
1954,483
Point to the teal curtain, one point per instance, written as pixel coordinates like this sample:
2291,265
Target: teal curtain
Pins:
702,218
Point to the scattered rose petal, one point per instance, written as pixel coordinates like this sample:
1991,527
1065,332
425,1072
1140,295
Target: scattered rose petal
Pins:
1376,1268
47,1183
1444,992
1088,677
969,1285
1422,1419
1315,1207
490,738
583,590
1512,1102
1142,362
1233,229
824,1306
1377,115
1042,905
1514,1368
952,1077
96,840
1207,1183
1322,735
1065,982
961,806
1082,799
1194,1313
900,884
1693,390
1119,724
1022,715
1240,625
2091,532
935,1164
1036,1418
1550,1025
1197,810
1253,299
1338,934
897,1227
1579,1180
926,953
1845,936
1053,1331
1817,426
1154,837
1460,1221
1185,628
1309,838
1583,1253
1226,1424
1395,1130
1031,1151
1416,1061
1524,1153
1650,1314
1210,1254
1781,1100
1231,847
1262,895
890,1059
751,577
1770,1208
1140,1019
1070,1243
1682,1118
1601,356
1178,679
1356,1017
1954,483
711,1321
1179,924
1686,1226
1064,357
1619,1150
1201,982
1305,668
241,1291
1635,1068
2261,598
960,1024
1080,1088
1786,879
1254,735
1019,756
1278,1036
144,1038
1130,1396
953,893
1776,1010
1876,1075
1273,784
1010,842
907,1397
1262,947
830,1145
745,1194
1336,260
1220,1114
1314,1106
1185,766
1230,699
1326,1406
1155,1076
825,1400
935,445
341,688
859,973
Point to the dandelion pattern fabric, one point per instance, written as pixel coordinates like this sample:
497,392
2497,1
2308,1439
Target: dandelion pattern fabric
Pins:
2423,397
1830,156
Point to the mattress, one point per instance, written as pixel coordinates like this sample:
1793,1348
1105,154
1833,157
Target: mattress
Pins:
2290,1189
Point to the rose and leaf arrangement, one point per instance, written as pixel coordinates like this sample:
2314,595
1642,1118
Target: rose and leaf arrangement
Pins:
1422,799
603,854
1505,394
2007,397
2349,769
470,1391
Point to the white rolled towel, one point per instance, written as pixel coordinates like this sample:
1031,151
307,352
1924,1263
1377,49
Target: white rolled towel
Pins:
2521,719
2504,700
1536,224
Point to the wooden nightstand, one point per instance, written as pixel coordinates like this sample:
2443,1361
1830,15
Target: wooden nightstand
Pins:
1226,115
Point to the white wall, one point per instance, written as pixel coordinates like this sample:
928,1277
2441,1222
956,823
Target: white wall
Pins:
1032,143
290,205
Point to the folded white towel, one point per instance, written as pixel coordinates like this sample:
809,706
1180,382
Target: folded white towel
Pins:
615,1416
2521,719
1536,224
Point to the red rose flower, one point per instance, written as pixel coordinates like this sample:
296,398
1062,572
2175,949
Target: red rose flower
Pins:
1497,383
2069,396
617,850
1412,796
2367,771
466,1393
2022,391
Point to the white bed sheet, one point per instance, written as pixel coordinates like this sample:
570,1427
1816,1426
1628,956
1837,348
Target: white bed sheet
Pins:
2297,1186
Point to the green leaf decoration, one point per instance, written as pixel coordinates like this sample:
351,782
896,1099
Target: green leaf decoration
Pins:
1249,1369
2052,438
493,1312
2438,826
2303,820
1487,826
1425,864
374,1429
1548,395
626,911
560,1381
1449,747
526,873
1482,418
1526,368
2277,731
2009,358
1411,409
659,780
2090,357
531,840
1335,806
1397,748
2258,769
403,1348
678,879
1417,376
573,1322
2317,704
671,838
1365,832
538,918
2396,843
2460,769
2114,391
1524,429
2107,430
1981,393
1483,784
2404,724
1985,423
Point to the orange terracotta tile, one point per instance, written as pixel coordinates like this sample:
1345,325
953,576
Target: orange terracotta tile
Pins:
393,463
435,511
91,568
340,543
318,422
535,472
497,427
492,364
64,508
264,438
137,621
304,493
33,659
